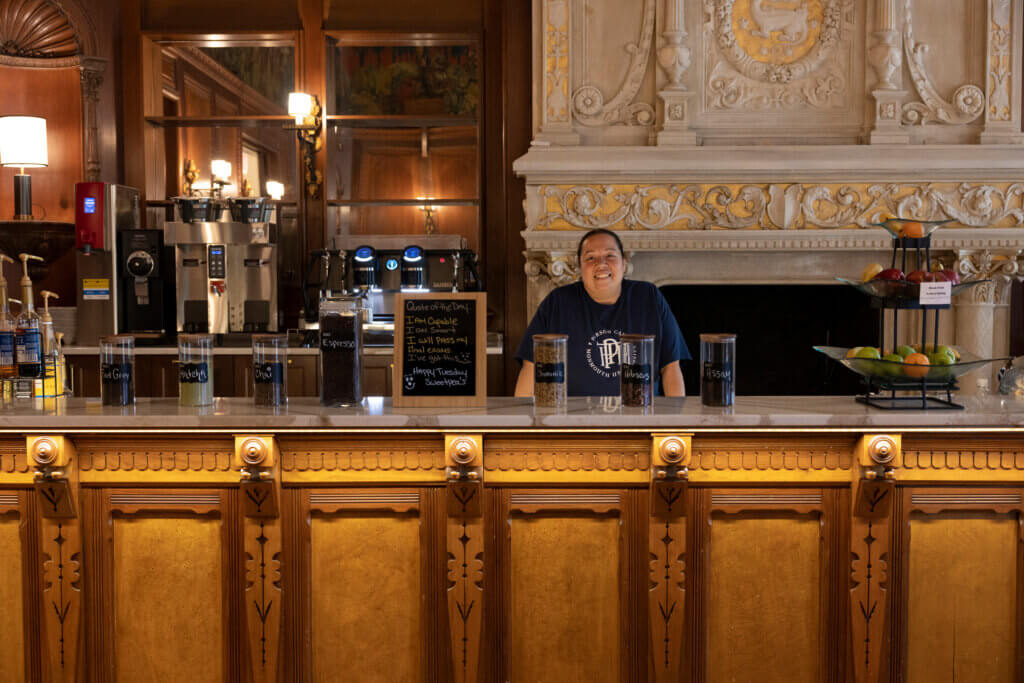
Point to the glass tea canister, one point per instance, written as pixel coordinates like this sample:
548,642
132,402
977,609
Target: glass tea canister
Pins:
341,346
270,369
549,367
636,376
117,370
717,369
195,370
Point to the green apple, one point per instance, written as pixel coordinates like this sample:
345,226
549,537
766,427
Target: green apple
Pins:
904,350
941,357
868,352
891,368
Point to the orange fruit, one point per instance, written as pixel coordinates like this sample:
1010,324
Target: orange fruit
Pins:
912,229
916,365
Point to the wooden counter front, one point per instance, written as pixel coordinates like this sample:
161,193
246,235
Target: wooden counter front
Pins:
500,553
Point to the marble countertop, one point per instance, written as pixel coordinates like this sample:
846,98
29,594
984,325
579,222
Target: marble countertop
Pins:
376,413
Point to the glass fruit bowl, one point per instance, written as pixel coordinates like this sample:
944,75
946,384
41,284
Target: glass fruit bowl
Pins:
893,375
900,289
909,227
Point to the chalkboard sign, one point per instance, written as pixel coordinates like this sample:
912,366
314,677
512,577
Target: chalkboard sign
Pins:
440,349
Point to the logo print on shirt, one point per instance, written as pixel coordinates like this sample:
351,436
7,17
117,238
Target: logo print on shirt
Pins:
605,360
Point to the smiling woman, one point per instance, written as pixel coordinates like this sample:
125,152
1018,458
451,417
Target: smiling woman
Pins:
595,312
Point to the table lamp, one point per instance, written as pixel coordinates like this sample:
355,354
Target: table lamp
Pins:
23,144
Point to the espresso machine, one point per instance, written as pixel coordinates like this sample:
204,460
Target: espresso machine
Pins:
119,275
225,265
379,267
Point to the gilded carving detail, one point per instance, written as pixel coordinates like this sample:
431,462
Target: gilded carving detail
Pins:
777,54
775,206
556,61
182,456
1000,73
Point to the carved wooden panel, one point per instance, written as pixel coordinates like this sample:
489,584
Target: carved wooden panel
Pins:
180,454
263,596
576,580
743,453
464,580
12,617
355,553
869,578
962,584
168,598
36,28
574,454
61,554
667,581
13,457
299,454
980,453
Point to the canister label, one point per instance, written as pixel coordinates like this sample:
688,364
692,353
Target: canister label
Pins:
549,372
193,373
268,373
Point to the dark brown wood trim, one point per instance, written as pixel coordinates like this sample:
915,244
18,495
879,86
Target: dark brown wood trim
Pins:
32,587
1019,649
296,636
634,548
835,663
236,640
331,501
598,501
497,548
798,500
894,657
435,641
698,544
135,501
98,581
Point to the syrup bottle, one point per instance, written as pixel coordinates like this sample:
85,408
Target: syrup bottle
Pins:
28,339
49,385
8,367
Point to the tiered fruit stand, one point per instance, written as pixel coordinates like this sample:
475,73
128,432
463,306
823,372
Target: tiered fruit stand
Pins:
884,378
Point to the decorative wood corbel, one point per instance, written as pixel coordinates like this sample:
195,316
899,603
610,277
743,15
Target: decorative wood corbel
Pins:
464,461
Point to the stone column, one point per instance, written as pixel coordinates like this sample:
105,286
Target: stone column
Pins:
552,73
1003,74
886,58
976,329
674,59
546,270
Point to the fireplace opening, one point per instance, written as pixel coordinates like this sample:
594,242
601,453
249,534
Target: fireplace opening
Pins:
775,327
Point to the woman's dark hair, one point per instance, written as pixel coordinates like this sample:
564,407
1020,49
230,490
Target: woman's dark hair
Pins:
599,231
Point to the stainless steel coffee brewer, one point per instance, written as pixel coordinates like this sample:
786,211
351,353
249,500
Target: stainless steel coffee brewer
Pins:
225,264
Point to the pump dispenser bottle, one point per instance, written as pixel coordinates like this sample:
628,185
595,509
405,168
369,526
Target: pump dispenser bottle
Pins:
8,367
28,339
50,384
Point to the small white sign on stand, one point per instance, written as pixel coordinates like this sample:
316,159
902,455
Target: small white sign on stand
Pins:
936,293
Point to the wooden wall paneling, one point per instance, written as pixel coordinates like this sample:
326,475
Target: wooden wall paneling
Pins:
311,57
836,653
634,585
367,542
667,581
133,133
497,546
893,659
698,533
176,577
435,638
774,557
570,567
15,572
963,562
98,594
465,576
296,609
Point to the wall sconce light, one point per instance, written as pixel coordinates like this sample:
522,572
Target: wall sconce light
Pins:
220,172
429,222
308,125
275,190
23,145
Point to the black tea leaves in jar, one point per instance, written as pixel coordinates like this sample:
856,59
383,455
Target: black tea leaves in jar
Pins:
717,369
341,333
636,376
117,377
269,369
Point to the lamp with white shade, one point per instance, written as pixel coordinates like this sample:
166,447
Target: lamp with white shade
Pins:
23,145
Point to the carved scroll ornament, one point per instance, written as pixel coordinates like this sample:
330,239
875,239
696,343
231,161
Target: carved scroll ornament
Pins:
588,102
775,206
968,100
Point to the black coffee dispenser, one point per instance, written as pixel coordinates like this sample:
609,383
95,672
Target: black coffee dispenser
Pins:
140,285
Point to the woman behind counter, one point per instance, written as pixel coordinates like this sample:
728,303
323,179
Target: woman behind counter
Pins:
594,312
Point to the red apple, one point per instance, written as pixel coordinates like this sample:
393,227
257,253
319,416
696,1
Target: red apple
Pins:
920,276
890,274
951,276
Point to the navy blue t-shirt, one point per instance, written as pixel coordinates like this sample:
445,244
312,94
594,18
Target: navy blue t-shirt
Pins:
594,329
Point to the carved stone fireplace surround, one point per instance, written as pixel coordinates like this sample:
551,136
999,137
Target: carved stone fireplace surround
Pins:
784,215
